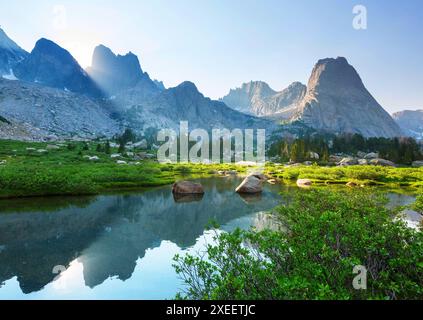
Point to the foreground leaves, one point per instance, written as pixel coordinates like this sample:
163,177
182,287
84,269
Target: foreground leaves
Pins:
322,236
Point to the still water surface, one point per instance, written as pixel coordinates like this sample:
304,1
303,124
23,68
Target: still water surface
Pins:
118,246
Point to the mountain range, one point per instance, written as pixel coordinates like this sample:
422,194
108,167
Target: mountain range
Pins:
51,94
335,100
411,122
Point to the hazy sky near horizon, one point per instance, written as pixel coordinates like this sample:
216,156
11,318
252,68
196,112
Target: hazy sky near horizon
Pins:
219,44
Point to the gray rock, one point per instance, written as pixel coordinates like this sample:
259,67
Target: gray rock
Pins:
382,162
314,155
335,158
371,155
252,184
348,162
417,164
362,162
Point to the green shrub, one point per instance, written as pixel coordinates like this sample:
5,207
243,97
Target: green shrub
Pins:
325,235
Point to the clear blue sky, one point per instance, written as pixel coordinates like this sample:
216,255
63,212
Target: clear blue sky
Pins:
218,44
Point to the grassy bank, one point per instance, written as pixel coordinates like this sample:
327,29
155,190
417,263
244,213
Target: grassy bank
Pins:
362,175
37,169
65,171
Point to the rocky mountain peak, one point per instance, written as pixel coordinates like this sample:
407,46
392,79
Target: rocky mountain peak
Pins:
10,54
106,61
186,91
7,43
337,101
334,74
53,66
115,73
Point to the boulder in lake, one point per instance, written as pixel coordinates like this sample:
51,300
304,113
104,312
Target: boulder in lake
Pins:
304,183
382,162
252,184
187,187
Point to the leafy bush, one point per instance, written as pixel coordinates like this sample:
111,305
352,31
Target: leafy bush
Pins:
325,235
418,205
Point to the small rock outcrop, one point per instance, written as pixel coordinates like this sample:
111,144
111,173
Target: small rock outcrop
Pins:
382,162
348,162
371,155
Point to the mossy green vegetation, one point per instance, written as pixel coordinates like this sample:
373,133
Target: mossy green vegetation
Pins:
322,236
362,175
418,204
32,169
37,169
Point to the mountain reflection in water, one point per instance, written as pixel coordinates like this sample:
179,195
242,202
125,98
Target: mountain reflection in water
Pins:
109,235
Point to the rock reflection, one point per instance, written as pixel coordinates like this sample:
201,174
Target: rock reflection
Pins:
186,198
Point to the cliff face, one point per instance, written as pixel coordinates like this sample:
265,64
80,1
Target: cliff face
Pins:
337,101
114,73
10,55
